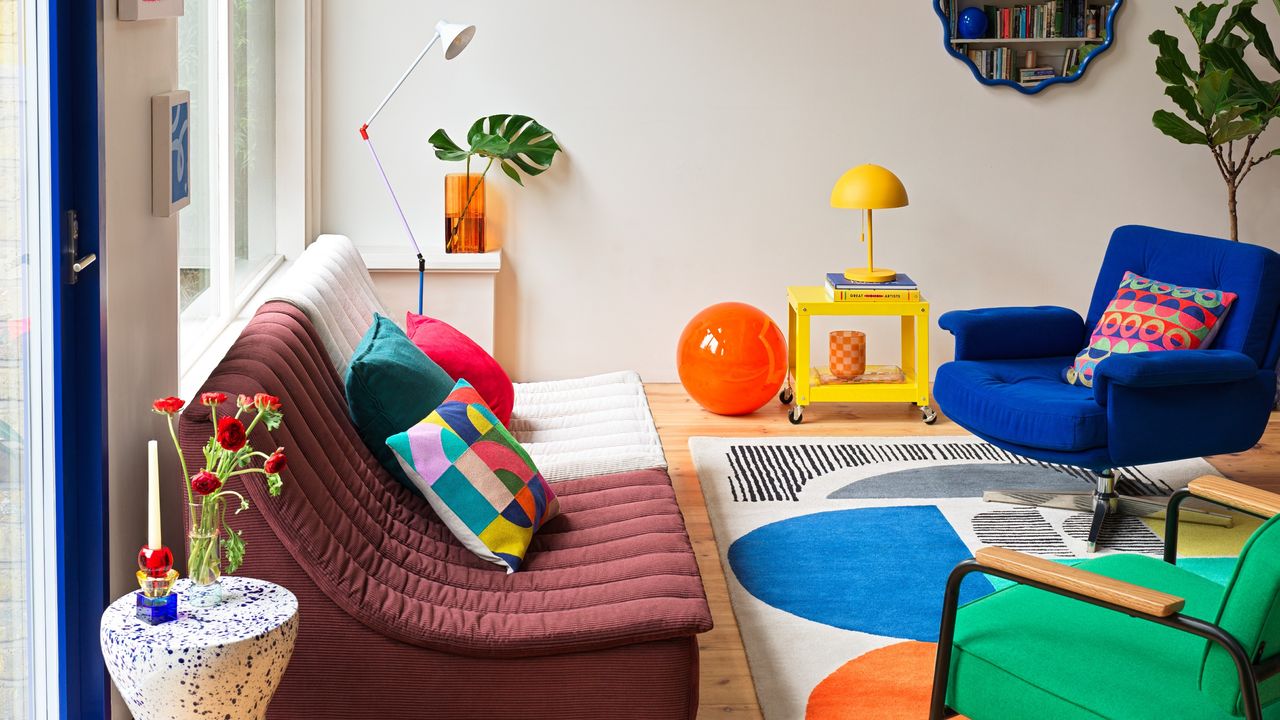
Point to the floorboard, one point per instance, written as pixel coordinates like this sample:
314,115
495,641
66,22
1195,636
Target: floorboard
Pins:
726,687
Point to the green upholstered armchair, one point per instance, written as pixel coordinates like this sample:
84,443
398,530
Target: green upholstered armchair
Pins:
1127,637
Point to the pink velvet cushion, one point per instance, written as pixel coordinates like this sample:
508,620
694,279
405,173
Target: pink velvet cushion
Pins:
463,359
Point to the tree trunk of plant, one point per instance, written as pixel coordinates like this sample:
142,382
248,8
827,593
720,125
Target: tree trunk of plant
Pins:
1231,208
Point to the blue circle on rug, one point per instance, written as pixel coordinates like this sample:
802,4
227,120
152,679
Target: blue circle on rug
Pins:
874,570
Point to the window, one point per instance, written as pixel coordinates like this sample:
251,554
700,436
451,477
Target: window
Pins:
28,654
227,235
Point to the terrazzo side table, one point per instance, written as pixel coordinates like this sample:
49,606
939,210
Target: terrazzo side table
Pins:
217,662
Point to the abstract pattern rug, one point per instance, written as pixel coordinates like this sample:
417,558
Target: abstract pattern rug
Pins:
836,552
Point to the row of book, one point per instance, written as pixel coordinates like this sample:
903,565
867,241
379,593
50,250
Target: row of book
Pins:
901,289
1052,19
993,63
999,64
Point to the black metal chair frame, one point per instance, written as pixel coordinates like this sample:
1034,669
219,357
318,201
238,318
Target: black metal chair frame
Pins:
1248,671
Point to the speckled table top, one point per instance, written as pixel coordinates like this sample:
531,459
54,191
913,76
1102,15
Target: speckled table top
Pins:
252,608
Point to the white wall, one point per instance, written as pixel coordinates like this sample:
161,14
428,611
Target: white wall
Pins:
140,281
702,139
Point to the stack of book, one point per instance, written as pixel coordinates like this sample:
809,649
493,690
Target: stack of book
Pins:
1029,77
1053,19
900,289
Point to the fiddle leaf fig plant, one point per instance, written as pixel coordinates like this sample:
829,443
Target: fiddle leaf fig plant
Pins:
518,143
1224,105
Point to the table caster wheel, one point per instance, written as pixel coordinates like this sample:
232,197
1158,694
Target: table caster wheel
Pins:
796,416
786,396
928,415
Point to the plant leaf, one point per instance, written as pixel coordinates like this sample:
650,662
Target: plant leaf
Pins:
1233,18
446,148
1171,65
1181,95
1178,129
530,146
1201,19
1211,91
489,145
233,546
1226,116
1235,130
274,484
1226,58
512,173
1257,32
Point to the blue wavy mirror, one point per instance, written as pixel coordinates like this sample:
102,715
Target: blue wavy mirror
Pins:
1027,46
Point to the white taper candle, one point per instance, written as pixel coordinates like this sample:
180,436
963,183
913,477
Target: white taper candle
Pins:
153,495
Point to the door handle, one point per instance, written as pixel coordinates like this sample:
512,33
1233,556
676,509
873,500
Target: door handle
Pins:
75,264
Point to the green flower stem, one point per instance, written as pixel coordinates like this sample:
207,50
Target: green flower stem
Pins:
186,476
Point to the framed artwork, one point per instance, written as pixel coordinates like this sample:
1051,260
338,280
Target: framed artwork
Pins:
170,152
148,9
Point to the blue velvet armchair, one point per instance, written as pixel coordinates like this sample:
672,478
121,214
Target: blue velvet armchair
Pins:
1006,385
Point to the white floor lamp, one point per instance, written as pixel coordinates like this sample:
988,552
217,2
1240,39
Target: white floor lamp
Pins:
456,37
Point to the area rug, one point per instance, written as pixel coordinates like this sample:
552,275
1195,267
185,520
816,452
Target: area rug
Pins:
836,552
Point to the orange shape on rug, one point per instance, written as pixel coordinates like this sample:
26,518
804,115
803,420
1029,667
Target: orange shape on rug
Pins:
892,683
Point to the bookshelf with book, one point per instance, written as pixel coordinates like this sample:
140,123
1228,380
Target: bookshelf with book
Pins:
1030,45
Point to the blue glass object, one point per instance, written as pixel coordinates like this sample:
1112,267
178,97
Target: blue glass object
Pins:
157,610
972,23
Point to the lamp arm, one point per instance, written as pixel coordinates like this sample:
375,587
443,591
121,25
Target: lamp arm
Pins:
405,76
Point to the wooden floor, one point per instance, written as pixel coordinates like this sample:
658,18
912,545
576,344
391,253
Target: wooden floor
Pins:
726,688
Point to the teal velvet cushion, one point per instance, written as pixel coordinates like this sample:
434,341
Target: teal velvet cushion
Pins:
391,386
1025,653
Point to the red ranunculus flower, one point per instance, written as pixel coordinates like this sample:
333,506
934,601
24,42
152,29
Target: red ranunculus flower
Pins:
212,398
205,482
276,462
266,402
231,434
244,402
167,406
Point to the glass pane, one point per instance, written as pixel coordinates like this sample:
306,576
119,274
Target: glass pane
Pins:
15,397
253,58
197,223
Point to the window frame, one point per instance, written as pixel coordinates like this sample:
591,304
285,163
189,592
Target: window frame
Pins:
296,147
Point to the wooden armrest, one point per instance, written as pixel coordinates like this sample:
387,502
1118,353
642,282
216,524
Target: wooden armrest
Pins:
1081,582
1236,495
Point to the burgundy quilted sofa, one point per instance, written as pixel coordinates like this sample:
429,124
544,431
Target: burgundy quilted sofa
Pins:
399,620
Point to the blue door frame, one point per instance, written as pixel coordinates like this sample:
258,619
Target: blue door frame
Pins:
79,389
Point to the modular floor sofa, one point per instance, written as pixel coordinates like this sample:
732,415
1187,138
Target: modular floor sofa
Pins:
397,618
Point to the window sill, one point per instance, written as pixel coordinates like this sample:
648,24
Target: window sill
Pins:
397,259
198,366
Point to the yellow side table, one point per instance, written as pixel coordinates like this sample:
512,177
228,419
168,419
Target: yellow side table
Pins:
805,302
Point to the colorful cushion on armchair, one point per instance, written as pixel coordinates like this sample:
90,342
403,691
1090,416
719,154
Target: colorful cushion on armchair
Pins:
1149,315
478,479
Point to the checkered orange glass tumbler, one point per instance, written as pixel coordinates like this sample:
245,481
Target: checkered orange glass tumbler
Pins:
848,354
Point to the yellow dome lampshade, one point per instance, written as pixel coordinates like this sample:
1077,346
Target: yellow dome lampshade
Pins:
869,187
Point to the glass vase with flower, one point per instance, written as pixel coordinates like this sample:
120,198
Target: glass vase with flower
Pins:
227,456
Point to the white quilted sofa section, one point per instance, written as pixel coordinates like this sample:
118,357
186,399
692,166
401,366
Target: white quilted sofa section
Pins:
330,283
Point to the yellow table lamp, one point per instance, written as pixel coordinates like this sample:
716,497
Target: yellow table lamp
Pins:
869,187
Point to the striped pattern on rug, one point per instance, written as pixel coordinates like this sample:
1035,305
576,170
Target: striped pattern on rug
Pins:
771,473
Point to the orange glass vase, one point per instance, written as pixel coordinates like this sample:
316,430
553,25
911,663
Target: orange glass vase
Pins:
464,213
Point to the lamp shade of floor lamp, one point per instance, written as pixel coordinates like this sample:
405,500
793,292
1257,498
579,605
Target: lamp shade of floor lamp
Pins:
867,188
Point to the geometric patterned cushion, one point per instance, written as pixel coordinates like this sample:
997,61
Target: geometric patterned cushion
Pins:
478,479
1149,315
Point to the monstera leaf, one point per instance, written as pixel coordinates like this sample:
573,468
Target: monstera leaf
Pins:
518,143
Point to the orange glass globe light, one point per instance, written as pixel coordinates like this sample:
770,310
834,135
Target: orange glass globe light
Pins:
732,358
